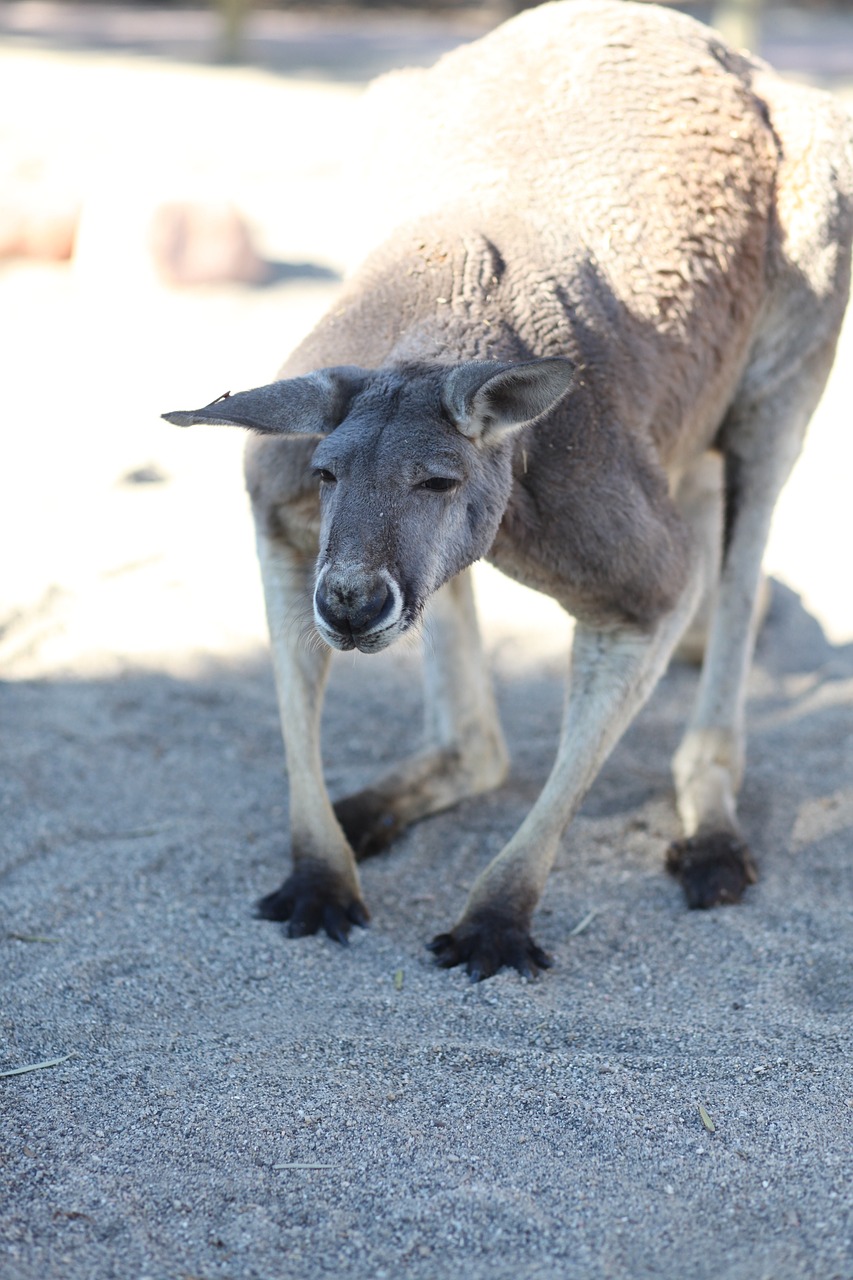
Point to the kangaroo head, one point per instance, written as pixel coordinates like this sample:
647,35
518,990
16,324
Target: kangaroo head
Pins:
414,465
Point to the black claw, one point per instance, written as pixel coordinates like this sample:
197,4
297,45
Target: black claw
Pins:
299,928
275,906
313,898
713,869
306,918
486,944
336,924
540,958
368,823
358,914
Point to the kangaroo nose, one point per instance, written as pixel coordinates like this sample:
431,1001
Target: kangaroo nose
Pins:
352,608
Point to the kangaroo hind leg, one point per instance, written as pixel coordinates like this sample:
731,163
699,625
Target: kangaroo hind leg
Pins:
789,363
761,439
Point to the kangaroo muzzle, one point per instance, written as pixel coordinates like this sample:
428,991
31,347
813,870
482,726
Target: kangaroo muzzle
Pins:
357,608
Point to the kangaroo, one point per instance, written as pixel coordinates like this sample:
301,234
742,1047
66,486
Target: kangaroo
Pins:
588,352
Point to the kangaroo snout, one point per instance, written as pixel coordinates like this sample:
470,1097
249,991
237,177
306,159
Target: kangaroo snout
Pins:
356,607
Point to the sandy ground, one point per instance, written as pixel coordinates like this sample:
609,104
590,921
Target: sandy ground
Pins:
231,1104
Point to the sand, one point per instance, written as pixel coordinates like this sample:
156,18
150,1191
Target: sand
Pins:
228,1103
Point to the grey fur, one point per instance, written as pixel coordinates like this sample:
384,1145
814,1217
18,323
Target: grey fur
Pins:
600,186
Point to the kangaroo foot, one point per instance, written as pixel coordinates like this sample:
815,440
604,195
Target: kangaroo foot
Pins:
714,869
487,942
313,898
368,822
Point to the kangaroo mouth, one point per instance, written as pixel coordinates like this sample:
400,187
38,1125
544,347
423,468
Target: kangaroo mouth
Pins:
349,619
373,642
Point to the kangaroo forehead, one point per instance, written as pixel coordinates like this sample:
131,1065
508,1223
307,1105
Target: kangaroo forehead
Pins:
398,389
398,418
398,446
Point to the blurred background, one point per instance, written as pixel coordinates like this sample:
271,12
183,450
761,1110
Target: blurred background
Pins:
178,203
359,39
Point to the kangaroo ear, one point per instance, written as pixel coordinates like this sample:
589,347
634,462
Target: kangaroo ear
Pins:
312,405
486,399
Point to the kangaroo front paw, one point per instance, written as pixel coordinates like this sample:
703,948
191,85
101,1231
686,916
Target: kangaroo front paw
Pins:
368,823
487,942
714,869
313,898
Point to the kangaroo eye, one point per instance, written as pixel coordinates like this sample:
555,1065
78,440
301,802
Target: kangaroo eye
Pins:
439,484
326,477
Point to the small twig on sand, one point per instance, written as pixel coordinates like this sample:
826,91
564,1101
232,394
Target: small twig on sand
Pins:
30,937
585,923
299,1164
36,1066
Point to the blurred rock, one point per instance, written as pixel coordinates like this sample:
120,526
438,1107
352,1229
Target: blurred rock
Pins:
149,474
204,242
37,220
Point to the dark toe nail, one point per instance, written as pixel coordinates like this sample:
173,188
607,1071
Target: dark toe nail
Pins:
274,906
541,958
358,914
299,929
336,926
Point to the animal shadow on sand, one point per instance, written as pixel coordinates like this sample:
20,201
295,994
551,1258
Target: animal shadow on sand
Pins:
176,785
